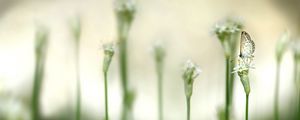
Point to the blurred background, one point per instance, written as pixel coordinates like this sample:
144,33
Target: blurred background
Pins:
185,26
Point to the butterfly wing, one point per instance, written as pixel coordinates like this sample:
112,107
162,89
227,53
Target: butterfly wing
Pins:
247,46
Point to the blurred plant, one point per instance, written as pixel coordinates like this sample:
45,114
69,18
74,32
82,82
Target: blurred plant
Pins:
159,55
75,27
190,73
12,108
108,54
281,47
227,33
296,51
41,40
247,48
125,12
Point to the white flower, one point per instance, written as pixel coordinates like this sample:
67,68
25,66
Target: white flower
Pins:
109,51
124,5
228,26
244,64
191,71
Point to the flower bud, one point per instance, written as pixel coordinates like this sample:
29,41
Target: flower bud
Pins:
191,72
108,54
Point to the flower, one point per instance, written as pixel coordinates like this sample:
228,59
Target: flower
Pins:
124,5
227,27
125,10
109,51
227,33
191,72
159,51
244,64
282,44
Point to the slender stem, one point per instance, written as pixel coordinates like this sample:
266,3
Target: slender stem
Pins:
231,82
123,71
297,81
227,109
160,89
38,76
298,104
40,57
276,102
106,98
78,101
247,106
188,107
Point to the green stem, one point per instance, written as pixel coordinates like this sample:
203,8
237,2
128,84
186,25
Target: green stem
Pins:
78,101
124,19
106,98
124,78
188,107
160,89
276,102
298,104
40,57
227,87
78,85
247,106
231,81
38,77
297,81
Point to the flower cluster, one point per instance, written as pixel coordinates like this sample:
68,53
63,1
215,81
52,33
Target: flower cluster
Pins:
227,32
191,72
244,64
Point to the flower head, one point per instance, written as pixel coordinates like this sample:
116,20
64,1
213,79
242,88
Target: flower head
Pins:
227,33
159,51
227,27
191,72
109,51
125,9
244,64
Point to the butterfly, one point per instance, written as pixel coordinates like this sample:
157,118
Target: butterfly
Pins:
247,46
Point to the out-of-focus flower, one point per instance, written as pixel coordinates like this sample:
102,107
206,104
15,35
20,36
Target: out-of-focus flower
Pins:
125,11
282,45
296,48
244,64
191,72
227,32
159,51
12,108
109,51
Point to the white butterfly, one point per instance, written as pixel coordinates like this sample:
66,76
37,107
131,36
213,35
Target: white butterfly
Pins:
247,46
